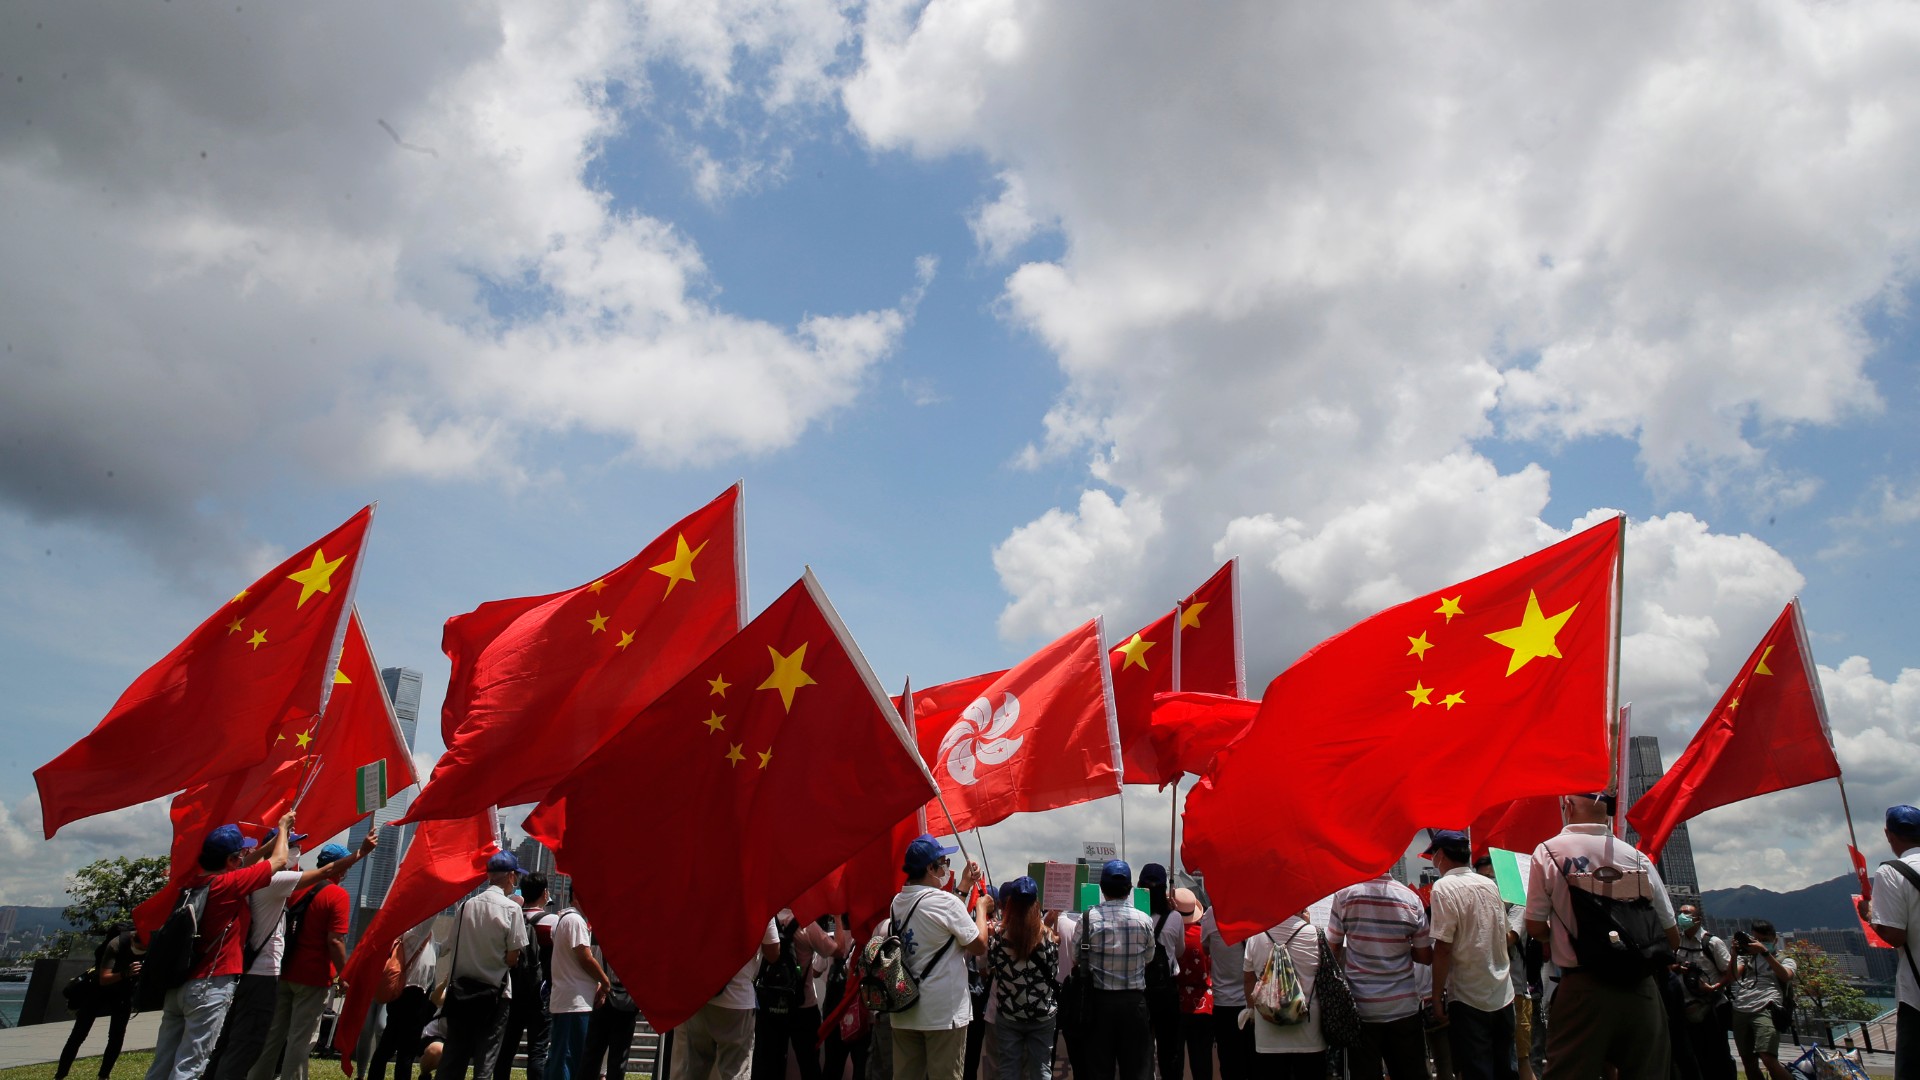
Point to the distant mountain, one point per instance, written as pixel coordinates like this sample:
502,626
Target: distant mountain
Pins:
1828,905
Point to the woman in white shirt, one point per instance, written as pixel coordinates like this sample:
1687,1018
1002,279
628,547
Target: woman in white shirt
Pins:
1293,1051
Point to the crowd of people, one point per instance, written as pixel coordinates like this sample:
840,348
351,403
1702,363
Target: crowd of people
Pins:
1596,974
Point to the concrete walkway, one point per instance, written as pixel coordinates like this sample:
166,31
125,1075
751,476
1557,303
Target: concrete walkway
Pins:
42,1042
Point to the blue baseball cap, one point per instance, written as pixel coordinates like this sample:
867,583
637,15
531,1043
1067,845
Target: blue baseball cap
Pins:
923,852
502,862
1022,886
1116,868
293,840
1153,876
222,843
330,853
1452,841
1904,820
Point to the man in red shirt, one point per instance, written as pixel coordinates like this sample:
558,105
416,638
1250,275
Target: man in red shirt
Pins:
316,951
195,1010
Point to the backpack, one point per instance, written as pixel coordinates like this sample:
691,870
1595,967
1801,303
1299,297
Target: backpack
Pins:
296,918
1618,942
1160,985
780,986
527,972
888,984
173,948
1074,1002
1277,995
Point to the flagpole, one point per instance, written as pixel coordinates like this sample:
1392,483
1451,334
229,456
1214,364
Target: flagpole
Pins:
1123,823
1613,661
1820,704
984,864
1173,826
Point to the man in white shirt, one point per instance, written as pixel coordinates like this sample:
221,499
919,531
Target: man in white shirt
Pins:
1233,1041
488,933
1895,915
1472,976
577,984
1594,1022
720,1035
930,1039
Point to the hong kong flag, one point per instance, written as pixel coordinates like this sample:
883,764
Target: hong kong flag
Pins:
1195,647
1038,736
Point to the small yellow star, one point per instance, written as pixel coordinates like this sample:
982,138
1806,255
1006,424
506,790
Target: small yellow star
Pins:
788,676
1190,616
734,755
1458,697
239,596
714,723
303,740
1421,694
1732,705
765,756
1760,668
717,685
258,639
597,586
626,639
598,622
1136,651
1449,608
1418,646
316,578
282,737
680,567
233,627
1535,636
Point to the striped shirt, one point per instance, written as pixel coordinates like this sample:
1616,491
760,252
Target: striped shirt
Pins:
1121,937
1380,923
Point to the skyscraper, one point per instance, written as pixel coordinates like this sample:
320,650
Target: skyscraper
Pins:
368,880
1644,768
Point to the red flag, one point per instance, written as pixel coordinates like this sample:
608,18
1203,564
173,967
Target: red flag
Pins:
445,861
1520,825
539,682
1768,733
1199,638
1211,658
865,884
1427,713
1188,729
1036,737
771,764
321,759
214,704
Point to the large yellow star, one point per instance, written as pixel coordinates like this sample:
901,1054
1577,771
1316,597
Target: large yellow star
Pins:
734,755
1136,651
626,639
258,639
1761,667
765,756
1534,637
1449,606
1421,694
1190,615
717,685
316,578
302,740
1458,697
787,674
680,567
714,723
598,622
1418,646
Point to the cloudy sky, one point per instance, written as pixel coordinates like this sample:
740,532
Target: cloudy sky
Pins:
1009,314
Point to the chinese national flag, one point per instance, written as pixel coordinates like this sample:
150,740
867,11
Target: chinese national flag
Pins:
1035,737
1205,652
1188,729
539,682
318,758
1427,713
214,704
865,884
445,861
1520,825
771,764
1768,733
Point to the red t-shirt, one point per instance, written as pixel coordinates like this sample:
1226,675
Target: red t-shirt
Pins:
308,961
228,919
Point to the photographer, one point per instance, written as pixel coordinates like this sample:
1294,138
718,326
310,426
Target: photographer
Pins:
1759,1001
1705,968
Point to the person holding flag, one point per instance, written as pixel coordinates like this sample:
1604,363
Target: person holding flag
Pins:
1894,912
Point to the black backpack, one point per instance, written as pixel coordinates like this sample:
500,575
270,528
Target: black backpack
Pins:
780,985
529,971
173,948
1619,942
1160,984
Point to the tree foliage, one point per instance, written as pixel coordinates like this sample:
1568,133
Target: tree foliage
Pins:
105,892
1821,989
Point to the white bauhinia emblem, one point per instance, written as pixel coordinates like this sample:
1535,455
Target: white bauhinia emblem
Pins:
977,739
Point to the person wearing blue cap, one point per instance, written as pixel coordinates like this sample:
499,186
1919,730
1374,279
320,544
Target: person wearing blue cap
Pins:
315,937
1895,914
489,930
930,1038
1472,980
1118,1037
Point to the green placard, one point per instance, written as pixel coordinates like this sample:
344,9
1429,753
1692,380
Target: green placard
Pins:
370,786
1090,896
1506,871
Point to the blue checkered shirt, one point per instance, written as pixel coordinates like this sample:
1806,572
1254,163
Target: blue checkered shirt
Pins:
1121,937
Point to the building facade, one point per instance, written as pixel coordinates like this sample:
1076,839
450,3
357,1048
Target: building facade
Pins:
367,882
1644,769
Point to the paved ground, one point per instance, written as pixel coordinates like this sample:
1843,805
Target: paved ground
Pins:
42,1042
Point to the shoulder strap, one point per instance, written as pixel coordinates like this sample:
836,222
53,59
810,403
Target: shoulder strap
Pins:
1296,933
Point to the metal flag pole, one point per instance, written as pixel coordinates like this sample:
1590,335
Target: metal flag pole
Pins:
1613,659
985,866
1820,705
1123,823
1173,825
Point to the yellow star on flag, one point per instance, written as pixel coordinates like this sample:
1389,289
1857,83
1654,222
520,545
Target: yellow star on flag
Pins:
1449,608
598,622
1136,651
597,586
233,627
239,596
1534,637
1761,667
718,685
1421,694
787,675
1418,646
1458,697
258,639
734,755
303,740
626,639
1732,705
1190,616
765,756
680,567
340,678
315,578
714,723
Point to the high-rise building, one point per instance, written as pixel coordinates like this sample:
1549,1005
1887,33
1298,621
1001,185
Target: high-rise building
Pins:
1644,769
534,857
8,917
367,882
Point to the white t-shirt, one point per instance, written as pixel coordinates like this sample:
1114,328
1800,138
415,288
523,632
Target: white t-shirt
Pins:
1302,942
418,943
1469,915
1067,929
738,993
940,917
269,906
573,986
1228,961
1897,906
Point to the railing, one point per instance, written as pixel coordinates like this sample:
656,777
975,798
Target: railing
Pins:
1872,1036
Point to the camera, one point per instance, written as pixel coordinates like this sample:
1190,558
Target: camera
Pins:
1741,939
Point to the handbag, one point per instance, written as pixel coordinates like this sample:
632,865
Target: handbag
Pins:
1075,994
393,974
1339,1017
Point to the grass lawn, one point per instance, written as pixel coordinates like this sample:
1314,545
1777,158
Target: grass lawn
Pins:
133,1065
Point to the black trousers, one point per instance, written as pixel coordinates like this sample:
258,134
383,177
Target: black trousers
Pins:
836,1052
117,1013
976,1041
1708,1040
244,1035
400,1039
1906,1047
1305,1066
1398,1045
475,1032
1482,1042
528,1020
1164,1012
1118,1040
1196,1034
609,1041
1235,1043
773,1033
